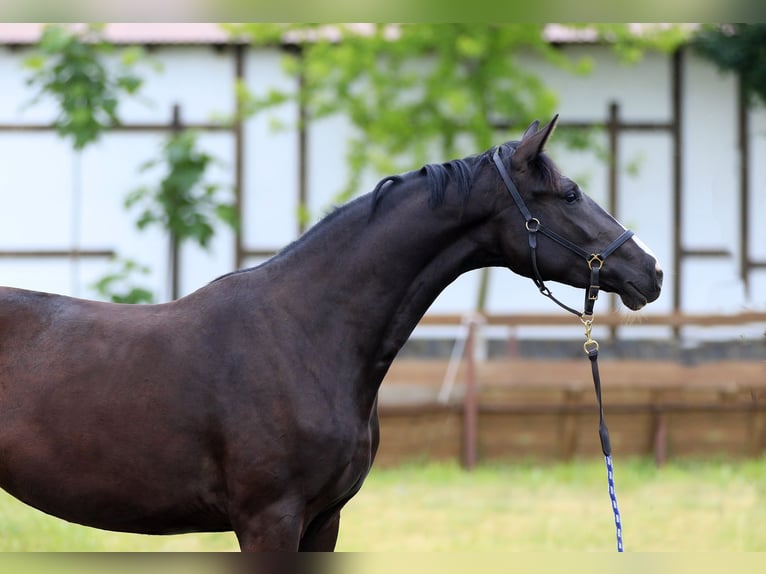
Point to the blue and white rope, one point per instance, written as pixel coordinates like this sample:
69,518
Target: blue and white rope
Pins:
613,497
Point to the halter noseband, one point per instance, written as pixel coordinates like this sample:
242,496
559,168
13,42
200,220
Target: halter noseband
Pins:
595,261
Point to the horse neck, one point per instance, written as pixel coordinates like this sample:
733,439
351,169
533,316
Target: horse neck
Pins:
367,281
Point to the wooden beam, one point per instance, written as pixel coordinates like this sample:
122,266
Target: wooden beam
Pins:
677,319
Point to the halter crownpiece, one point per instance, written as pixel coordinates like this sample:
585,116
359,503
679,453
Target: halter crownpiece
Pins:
595,262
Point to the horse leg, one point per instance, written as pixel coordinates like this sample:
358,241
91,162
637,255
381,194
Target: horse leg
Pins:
280,532
322,533
277,529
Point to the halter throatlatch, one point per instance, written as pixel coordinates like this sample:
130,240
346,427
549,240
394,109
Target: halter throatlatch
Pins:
595,262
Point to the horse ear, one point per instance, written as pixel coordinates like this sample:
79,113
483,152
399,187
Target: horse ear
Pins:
531,130
533,141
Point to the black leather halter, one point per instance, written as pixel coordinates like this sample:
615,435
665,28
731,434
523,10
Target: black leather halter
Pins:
595,261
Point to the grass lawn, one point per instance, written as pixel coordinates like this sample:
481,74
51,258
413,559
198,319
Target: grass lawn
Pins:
684,506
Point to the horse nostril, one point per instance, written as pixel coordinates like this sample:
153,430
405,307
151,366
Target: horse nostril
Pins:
659,277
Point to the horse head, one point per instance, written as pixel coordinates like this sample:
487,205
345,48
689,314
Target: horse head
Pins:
551,230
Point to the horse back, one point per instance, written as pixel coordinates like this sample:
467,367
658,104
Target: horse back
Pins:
116,402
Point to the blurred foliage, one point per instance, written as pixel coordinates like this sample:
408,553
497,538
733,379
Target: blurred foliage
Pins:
183,203
737,48
68,65
117,287
73,67
630,42
418,92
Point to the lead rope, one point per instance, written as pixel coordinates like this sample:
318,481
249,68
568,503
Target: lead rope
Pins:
595,262
591,349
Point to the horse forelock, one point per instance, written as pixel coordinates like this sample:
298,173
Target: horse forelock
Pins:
548,172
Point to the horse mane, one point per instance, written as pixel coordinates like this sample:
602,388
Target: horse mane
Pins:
438,176
463,173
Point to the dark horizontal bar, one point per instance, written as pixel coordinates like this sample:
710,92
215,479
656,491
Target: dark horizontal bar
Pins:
634,126
755,264
705,253
170,127
122,128
621,126
43,253
613,319
561,409
638,408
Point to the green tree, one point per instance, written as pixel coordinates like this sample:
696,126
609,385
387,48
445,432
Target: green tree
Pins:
68,65
117,285
418,92
183,203
449,84
737,48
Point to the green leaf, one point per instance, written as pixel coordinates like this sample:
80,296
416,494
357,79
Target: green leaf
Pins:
739,49
35,62
183,202
68,66
117,285
227,213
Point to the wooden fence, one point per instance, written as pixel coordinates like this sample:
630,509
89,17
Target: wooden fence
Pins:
518,409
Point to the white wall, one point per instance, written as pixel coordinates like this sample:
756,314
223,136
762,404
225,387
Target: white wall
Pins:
46,188
39,176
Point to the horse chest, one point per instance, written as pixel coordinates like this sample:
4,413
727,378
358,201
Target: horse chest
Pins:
344,450
346,444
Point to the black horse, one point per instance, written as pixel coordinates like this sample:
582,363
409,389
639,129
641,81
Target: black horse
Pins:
250,404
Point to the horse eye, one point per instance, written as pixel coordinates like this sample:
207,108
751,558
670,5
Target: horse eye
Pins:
571,197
